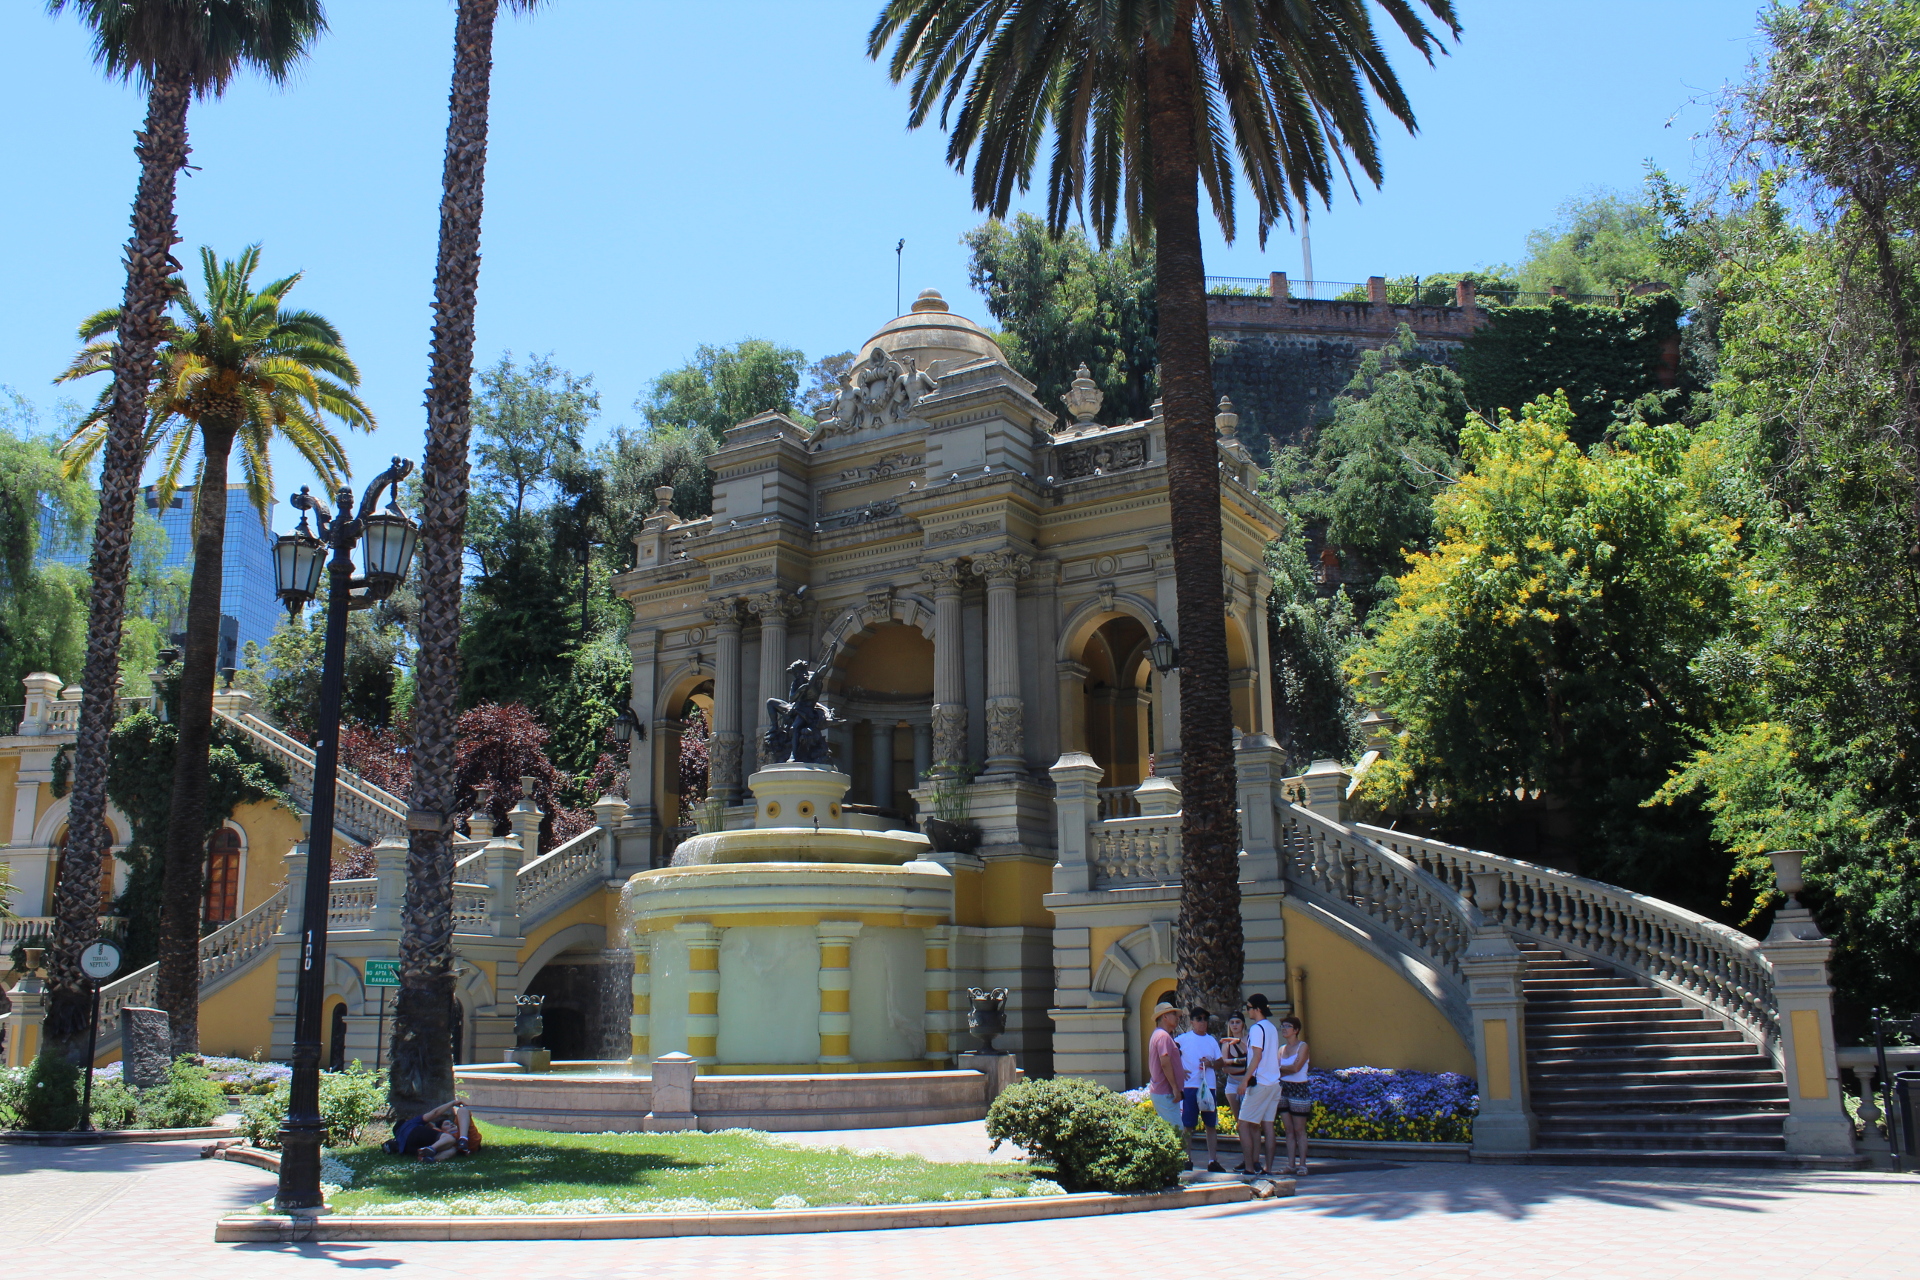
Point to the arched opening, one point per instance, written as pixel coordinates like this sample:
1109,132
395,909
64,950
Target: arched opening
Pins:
884,683
1156,991
337,1038
681,785
222,896
60,856
1118,709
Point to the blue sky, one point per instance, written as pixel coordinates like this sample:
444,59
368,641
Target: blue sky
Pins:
667,174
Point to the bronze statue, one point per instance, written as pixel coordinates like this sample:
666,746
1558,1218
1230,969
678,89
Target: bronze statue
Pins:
797,725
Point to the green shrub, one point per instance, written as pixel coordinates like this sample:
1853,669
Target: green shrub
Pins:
13,1093
115,1106
187,1100
50,1094
350,1100
1089,1134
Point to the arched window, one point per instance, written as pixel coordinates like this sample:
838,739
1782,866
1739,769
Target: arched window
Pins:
223,876
106,874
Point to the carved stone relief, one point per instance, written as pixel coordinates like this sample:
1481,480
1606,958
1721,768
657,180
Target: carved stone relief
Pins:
880,390
1005,736
884,467
949,732
1103,457
974,529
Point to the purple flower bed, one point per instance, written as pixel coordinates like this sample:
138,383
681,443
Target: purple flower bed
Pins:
1379,1105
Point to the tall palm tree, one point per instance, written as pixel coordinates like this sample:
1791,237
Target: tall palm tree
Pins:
1146,100
422,1074
175,50
235,369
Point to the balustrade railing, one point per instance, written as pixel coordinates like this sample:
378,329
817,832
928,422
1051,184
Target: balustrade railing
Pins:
1135,851
1693,957
1119,802
360,808
226,949
553,873
17,929
470,906
1425,914
350,903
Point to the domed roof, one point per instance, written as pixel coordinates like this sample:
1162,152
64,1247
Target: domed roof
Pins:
930,333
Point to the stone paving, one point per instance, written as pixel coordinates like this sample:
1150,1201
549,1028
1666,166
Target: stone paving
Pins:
147,1212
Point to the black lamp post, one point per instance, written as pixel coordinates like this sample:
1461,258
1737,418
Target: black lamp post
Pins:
298,557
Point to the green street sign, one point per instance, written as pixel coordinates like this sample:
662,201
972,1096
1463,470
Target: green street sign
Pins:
383,973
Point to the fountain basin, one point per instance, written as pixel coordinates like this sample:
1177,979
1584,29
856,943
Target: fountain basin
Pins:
804,844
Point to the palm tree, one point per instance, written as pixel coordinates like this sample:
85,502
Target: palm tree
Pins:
422,1074
1146,100
239,370
175,50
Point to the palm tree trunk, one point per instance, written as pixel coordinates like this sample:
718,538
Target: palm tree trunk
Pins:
422,1027
177,984
1210,948
162,151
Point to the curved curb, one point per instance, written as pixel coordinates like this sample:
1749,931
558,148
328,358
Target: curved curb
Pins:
642,1226
78,1138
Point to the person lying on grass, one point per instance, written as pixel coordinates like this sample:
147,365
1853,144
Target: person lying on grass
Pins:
447,1131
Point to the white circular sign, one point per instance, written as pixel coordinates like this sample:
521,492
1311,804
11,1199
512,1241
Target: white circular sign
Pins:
100,961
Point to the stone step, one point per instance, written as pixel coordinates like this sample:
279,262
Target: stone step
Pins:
1552,988
1677,1077
1681,1102
1661,1030
1728,1122
1700,1057
1634,999
1702,1141
1661,1019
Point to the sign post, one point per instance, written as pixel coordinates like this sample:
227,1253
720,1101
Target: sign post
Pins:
99,961
382,974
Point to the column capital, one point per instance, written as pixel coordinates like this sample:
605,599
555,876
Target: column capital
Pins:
943,575
725,613
1001,565
773,606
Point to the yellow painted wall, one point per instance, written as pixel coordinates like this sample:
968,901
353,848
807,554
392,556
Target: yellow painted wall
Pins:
968,905
237,1020
9,773
1102,936
271,834
591,909
1359,1012
892,659
1010,893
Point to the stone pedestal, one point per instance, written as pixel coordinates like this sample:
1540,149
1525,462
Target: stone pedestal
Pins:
1000,1070
1496,998
1817,1122
146,1047
673,1075
531,1059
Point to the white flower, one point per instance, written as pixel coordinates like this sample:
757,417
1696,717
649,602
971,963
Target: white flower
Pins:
789,1202
880,1153
1003,1193
1045,1187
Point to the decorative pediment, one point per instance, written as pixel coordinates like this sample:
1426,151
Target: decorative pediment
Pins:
880,391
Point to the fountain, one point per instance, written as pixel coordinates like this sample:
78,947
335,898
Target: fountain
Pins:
790,975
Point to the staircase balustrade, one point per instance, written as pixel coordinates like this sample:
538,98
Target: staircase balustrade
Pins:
350,903
1136,851
225,950
360,808
551,875
1696,958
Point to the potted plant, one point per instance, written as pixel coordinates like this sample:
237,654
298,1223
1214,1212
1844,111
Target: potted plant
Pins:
949,795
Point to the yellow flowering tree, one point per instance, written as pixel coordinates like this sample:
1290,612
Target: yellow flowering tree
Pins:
1554,655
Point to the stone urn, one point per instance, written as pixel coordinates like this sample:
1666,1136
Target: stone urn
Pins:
987,1016
527,1022
1786,873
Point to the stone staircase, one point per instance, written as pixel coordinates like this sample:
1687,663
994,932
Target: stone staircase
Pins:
1621,1074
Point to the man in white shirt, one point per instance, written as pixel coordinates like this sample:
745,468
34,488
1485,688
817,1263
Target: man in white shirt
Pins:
1199,1055
1261,1098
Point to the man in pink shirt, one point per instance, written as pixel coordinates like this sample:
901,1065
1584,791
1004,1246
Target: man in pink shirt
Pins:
1164,1076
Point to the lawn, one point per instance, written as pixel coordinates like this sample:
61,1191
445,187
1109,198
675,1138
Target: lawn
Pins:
521,1171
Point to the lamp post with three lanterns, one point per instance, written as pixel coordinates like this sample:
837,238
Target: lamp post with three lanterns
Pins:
298,559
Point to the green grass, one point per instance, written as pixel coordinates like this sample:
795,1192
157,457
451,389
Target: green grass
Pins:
521,1171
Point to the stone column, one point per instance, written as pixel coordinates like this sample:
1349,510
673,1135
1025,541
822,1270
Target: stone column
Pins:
939,978
1076,804
1006,728
638,1024
1073,705
666,777
836,990
1262,659
881,781
703,990
1817,1122
774,609
949,671
1497,1004
724,749
922,752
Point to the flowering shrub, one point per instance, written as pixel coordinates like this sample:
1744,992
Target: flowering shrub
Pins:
1375,1104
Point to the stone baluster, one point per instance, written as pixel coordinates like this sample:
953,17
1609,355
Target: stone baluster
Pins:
525,817
774,609
1076,807
1006,727
836,989
608,813
703,990
501,860
939,985
949,670
389,884
638,1023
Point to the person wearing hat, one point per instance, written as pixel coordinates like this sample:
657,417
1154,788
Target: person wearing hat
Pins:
1164,1076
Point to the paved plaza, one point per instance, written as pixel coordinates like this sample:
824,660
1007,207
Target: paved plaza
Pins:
147,1212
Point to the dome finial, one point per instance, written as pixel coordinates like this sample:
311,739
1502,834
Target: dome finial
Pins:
929,300
1084,399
